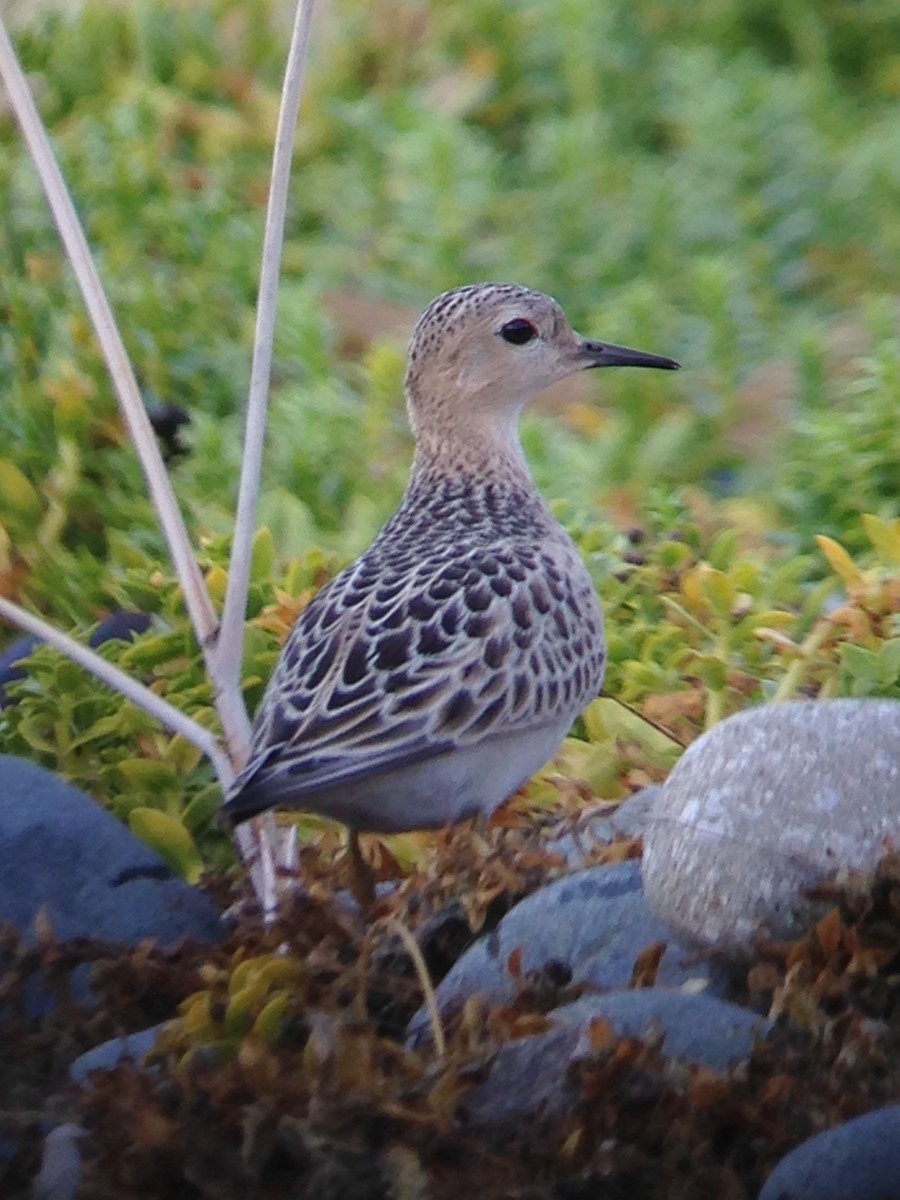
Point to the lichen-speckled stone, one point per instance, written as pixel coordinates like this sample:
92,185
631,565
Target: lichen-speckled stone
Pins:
768,803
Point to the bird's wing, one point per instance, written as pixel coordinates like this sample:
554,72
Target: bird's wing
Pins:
379,674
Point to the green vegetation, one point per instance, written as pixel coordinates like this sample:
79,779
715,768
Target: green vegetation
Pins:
716,181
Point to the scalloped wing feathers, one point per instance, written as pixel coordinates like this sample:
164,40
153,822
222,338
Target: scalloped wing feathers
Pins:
397,661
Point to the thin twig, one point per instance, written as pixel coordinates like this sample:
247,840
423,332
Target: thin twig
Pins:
395,925
173,718
196,596
414,951
230,644
661,729
809,647
227,692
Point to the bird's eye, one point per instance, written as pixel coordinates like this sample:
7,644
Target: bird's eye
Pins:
518,331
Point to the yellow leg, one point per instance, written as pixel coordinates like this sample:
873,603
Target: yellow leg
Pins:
362,881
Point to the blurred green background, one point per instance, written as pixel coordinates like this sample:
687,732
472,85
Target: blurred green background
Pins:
717,181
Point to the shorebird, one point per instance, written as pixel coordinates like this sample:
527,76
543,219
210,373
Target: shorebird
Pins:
435,674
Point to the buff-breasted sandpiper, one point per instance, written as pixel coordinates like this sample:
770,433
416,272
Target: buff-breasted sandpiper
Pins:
435,674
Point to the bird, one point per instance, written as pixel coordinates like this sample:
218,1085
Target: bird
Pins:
434,675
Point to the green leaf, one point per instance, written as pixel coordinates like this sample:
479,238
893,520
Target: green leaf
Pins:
203,806
606,719
885,537
17,493
148,776
711,669
720,592
861,667
169,837
889,663
263,555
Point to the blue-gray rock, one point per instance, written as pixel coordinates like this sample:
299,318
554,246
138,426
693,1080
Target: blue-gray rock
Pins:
106,1056
530,1075
762,807
595,922
600,825
10,671
699,1029
65,857
120,625
60,1175
856,1161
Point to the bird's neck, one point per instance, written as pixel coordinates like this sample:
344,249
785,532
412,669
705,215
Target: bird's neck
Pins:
475,483
480,456
479,440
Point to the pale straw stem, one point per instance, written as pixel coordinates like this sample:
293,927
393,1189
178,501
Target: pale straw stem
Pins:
230,644
169,716
203,617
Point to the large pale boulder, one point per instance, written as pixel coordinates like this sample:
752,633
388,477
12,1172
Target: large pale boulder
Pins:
764,806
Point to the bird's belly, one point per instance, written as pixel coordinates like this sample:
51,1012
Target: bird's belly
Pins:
442,790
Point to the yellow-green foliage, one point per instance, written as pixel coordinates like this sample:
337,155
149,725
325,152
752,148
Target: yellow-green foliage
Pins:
712,182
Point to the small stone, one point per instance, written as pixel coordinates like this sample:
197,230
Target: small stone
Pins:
601,825
60,1175
530,1074
10,670
856,1161
133,1047
594,924
767,804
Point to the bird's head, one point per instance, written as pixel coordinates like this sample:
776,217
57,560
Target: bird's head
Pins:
482,351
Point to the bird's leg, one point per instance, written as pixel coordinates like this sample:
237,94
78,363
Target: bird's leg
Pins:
362,879
480,823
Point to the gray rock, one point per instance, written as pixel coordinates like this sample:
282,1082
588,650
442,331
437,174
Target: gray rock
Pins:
856,1161
61,853
60,1175
595,922
106,1056
600,825
699,1029
121,625
768,803
63,856
530,1075
10,670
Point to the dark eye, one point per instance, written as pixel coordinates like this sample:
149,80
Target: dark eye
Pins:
518,331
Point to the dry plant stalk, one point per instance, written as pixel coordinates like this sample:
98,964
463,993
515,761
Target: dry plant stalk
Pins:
221,646
231,634
395,926
167,715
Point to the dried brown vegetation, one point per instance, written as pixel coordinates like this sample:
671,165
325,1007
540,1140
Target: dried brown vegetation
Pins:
293,1080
